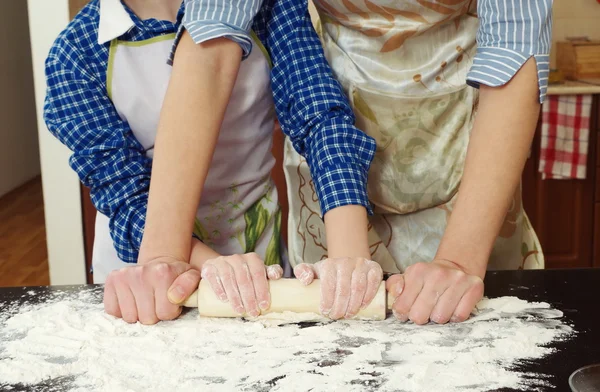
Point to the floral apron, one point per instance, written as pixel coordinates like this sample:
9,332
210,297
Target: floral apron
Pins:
403,64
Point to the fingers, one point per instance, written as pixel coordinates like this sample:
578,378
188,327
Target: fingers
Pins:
374,278
305,273
343,290
358,289
448,302
144,297
469,300
161,277
111,302
327,273
423,306
210,272
245,285
258,273
183,286
126,301
274,272
395,285
227,276
411,291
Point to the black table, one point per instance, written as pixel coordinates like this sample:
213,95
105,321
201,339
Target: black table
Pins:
575,292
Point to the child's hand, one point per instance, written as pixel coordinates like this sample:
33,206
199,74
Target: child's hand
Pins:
241,280
347,284
150,292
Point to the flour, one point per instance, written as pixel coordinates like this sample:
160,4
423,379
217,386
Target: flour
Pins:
284,318
71,344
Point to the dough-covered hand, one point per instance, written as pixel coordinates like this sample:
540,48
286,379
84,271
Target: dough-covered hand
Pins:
439,291
150,292
241,280
347,284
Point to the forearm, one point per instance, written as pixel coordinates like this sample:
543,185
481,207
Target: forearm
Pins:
346,229
201,84
496,155
201,253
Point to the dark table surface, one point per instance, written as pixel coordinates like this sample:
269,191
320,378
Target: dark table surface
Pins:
575,292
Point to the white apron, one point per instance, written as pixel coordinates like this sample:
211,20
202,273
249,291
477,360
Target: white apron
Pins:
239,210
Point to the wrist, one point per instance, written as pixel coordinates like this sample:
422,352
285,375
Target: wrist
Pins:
347,232
201,253
468,265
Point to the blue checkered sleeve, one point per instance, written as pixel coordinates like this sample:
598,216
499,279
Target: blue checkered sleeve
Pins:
106,156
312,107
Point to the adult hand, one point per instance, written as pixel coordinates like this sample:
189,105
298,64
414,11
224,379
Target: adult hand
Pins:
439,291
151,291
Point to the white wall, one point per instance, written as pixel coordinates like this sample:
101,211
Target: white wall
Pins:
62,198
19,154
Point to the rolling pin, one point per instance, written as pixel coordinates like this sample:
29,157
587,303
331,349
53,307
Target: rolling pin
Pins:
286,295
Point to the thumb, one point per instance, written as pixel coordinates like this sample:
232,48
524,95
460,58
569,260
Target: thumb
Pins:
184,285
395,285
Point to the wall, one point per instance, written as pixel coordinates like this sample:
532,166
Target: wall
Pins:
575,18
62,198
19,154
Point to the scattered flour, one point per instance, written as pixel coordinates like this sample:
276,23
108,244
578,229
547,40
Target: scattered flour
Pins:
69,343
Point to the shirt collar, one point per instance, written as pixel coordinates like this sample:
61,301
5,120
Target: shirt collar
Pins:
114,21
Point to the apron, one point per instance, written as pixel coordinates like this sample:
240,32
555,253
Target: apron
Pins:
239,211
403,65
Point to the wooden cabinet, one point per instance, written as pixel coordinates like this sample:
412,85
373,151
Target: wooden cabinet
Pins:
566,213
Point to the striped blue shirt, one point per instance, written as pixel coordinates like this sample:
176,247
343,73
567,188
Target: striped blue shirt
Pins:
510,33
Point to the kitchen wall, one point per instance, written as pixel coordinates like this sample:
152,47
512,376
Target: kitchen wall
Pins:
62,196
19,154
575,18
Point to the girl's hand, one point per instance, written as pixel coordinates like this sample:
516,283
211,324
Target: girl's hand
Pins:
347,284
241,280
439,291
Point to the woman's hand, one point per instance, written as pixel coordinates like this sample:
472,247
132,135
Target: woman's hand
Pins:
241,280
439,291
347,284
150,292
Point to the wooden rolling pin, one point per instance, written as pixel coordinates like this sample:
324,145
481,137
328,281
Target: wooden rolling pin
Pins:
286,295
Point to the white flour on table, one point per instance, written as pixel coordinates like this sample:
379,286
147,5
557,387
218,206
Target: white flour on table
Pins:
69,343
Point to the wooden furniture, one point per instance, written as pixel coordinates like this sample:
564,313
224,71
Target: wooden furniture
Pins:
566,213
579,59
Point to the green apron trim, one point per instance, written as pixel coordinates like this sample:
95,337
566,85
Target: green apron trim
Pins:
152,40
261,47
111,64
113,48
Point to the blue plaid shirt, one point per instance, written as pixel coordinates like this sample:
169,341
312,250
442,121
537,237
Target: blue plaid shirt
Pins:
113,164
78,112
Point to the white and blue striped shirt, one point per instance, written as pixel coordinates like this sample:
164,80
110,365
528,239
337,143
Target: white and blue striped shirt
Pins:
510,33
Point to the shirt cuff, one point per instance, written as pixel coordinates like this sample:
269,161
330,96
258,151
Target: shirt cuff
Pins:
495,67
127,235
341,185
339,165
205,31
